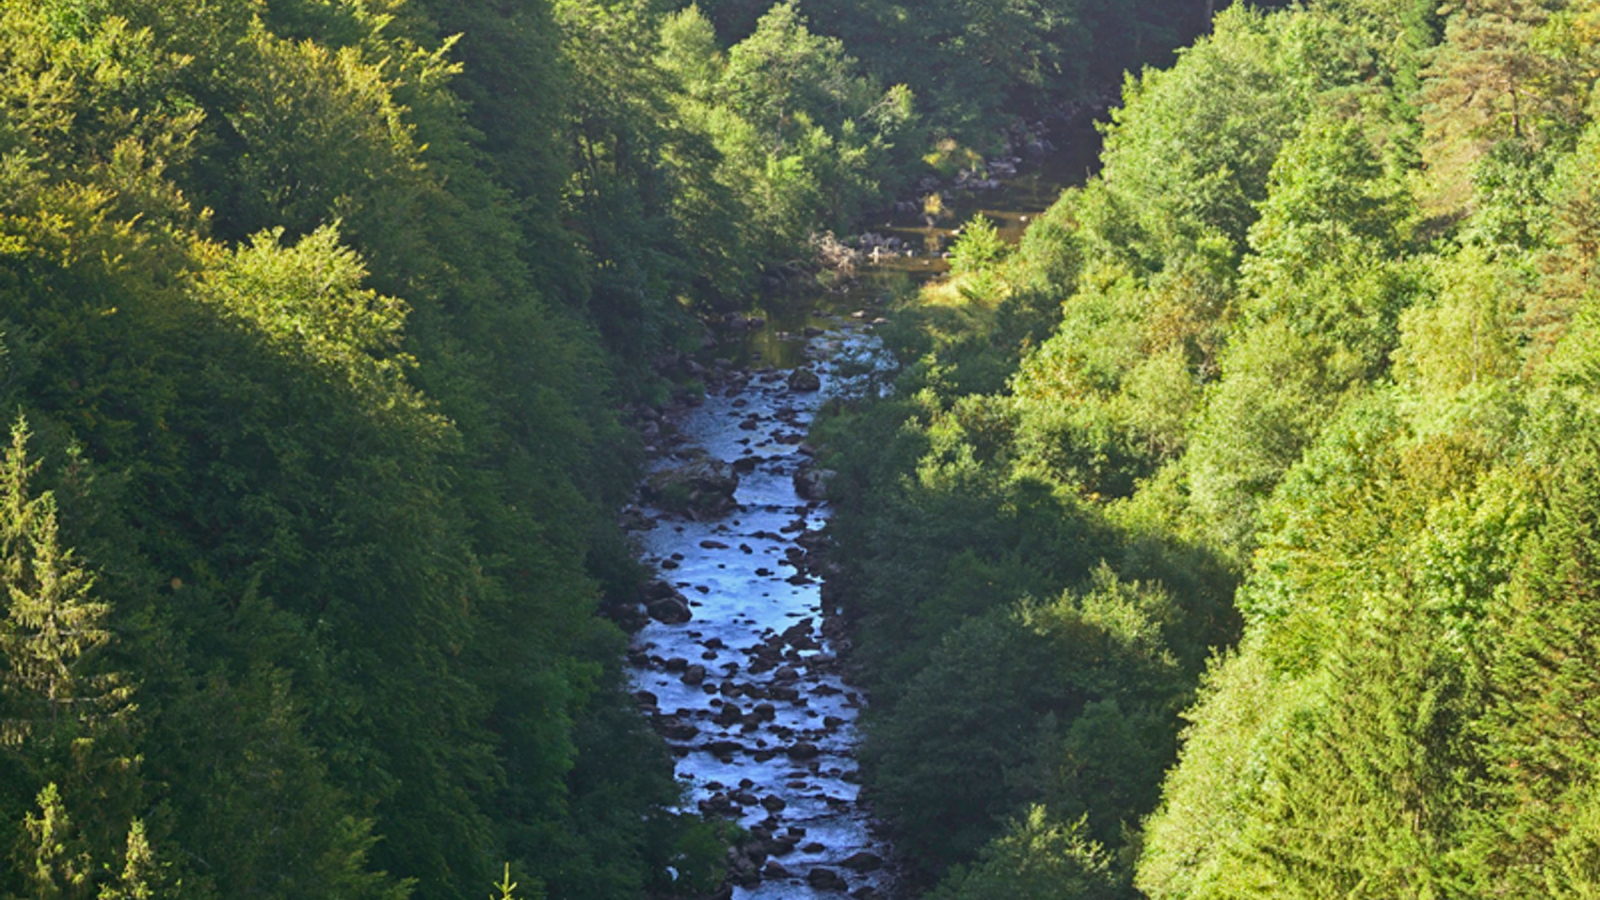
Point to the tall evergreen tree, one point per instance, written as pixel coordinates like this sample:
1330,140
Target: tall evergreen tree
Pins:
1543,732
52,623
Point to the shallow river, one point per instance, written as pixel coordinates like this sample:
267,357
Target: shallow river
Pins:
749,691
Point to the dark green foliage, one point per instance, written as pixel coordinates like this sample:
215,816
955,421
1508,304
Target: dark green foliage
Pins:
340,536
1038,859
317,313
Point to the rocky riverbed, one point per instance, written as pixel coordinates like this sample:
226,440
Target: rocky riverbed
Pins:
737,657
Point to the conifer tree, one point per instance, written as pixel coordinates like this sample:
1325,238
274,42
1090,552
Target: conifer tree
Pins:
1491,81
60,867
1486,73
1544,728
1363,797
52,624
56,863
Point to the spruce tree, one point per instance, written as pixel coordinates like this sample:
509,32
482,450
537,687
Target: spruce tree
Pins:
55,859
1363,795
52,623
1543,731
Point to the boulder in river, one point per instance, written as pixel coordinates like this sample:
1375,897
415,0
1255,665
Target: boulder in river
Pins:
700,487
804,380
862,861
675,729
670,610
659,590
826,880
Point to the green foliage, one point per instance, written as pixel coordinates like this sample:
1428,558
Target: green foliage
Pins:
1543,782
321,311
53,626
1038,859
337,481
1283,342
979,247
1366,793
1192,157
975,60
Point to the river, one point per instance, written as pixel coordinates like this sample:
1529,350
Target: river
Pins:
750,691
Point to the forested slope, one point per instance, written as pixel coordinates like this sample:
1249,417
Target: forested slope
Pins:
314,317
1276,442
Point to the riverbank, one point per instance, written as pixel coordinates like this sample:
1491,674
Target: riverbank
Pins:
740,652
736,660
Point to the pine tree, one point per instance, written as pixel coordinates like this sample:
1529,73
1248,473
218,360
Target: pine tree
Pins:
52,624
1544,728
1363,796
1494,80
60,867
1486,72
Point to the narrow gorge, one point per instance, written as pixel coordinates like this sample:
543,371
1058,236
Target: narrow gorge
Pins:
740,658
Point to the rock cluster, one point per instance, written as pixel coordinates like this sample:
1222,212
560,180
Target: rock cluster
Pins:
772,703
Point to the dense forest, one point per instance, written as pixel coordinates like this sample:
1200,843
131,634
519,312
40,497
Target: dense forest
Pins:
1235,534
315,321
